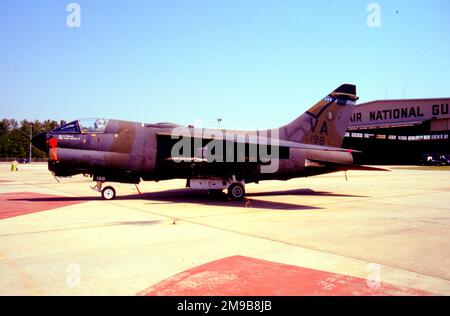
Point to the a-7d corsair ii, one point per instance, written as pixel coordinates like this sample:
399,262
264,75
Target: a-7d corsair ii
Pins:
209,159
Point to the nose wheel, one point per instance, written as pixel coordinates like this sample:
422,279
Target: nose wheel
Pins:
108,193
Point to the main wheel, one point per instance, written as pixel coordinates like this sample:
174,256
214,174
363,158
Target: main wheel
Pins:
108,193
236,191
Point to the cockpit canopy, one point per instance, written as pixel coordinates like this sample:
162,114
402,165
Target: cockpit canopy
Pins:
92,125
83,126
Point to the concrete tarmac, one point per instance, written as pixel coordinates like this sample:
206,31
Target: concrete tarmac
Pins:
379,233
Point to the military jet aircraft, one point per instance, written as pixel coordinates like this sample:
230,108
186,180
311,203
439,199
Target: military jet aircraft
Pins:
209,159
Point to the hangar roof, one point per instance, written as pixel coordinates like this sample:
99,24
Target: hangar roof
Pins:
399,113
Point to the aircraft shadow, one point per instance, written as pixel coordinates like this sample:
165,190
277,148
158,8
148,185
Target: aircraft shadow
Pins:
308,192
186,195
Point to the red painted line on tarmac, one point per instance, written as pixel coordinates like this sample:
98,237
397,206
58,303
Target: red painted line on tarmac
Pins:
22,203
243,276
5,181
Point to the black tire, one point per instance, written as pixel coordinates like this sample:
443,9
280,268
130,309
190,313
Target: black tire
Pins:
236,191
108,193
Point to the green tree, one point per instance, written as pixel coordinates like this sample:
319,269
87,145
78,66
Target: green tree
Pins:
15,137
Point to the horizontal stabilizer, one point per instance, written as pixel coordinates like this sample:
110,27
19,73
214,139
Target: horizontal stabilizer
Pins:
340,166
367,168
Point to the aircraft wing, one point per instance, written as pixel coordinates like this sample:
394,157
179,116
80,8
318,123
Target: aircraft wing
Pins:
258,140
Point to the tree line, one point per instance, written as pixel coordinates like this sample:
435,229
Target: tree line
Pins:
15,137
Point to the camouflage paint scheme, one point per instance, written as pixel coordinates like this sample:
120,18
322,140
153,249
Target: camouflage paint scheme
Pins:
129,151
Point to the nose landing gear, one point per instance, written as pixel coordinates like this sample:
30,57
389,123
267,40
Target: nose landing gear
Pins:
108,193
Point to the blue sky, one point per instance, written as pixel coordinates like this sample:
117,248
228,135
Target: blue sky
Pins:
253,63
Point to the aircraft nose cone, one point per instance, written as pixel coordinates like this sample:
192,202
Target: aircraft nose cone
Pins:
40,141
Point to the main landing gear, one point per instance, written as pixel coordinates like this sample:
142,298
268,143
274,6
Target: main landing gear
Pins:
236,189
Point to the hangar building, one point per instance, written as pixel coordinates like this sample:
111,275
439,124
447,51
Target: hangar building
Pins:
399,131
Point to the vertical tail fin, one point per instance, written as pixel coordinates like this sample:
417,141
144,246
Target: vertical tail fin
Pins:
326,122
